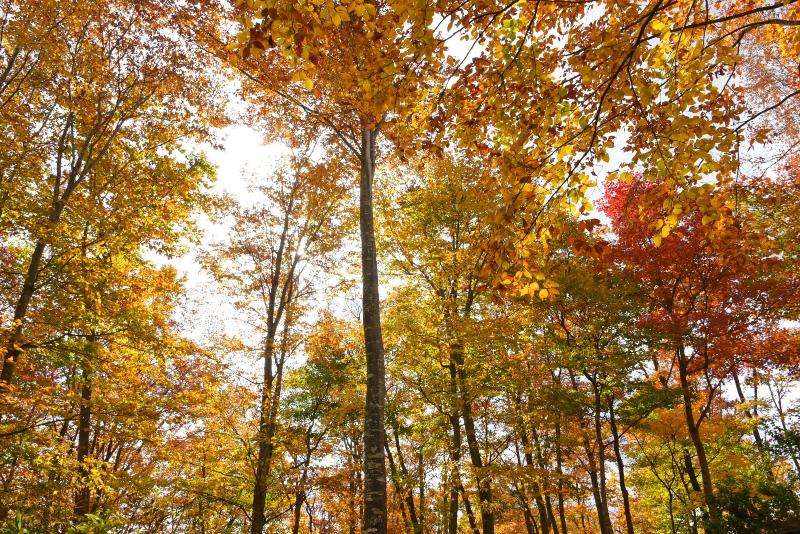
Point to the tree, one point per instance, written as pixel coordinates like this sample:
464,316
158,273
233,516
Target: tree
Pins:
121,92
437,245
359,69
262,263
713,285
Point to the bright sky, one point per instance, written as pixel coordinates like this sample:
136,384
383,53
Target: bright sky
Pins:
242,160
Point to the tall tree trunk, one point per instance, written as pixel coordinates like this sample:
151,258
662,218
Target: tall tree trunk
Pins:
280,298
527,452
483,481
407,492
374,431
541,505
694,434
551,519
398,486
455,451
602,511
537,497
299,499
201,519
603,517
560,473
777,402
530,522
13,350
455,475
300,496
264,458
687,462
352,513
52,476
473,524
83,496
620,468
422,494
601,452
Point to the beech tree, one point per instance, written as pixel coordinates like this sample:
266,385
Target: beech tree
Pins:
359,68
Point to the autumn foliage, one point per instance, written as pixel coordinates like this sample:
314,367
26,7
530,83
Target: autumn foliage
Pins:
526,267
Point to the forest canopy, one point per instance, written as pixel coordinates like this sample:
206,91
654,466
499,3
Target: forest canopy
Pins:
489,267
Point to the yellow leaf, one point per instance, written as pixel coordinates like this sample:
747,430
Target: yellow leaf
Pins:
543,293
658,25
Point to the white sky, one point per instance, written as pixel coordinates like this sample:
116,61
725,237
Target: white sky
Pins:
206,314
242,160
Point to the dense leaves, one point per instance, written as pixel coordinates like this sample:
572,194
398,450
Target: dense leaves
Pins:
571,304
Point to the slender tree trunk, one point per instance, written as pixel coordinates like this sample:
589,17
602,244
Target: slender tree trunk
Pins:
407,492
83,496
52,476
299,499
603,517
541,507
398,486
602,511
620,468
13,349
352,515
473,524
694,434
551,519
530,523
527,452
671,513
200,509
687,462
777,402
300,496
422,494
279,302
601,454
455,460
540,504
559,472
484,483
455,452
264,458
375,515
583,521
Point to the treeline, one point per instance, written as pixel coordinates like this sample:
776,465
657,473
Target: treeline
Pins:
576,229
